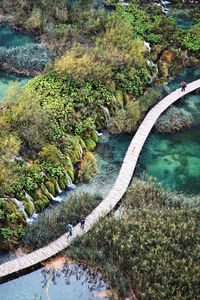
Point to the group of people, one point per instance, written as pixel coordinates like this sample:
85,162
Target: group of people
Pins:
70,226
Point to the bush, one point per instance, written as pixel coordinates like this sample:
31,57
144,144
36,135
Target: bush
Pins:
87,167
53,223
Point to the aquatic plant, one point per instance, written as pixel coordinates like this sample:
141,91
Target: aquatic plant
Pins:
28,59
174,119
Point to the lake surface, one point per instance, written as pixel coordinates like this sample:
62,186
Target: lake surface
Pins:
65,282
174,158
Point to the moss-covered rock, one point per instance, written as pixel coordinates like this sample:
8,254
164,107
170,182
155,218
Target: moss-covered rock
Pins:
94,136
56,186
41,204
37,194
69,168
50,187
90,144
12,224
119,98
45,191
87,167
62,184
29,207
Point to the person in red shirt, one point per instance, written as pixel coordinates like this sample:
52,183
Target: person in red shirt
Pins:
183,86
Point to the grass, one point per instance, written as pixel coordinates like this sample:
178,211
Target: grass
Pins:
53,223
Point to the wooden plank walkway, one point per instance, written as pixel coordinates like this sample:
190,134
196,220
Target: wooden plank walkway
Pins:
118,190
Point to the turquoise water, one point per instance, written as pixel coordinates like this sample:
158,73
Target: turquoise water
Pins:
109,154
174,159
7,80
182,17
69,282
11,38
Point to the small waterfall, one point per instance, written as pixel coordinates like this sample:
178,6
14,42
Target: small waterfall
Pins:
151,64
99,133
70,184
28,197
81,152
163,5
147,46
21,207
123,3
107,115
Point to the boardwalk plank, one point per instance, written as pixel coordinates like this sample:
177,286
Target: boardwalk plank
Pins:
114,196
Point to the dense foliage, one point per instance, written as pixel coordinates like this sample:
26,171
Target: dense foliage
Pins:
53,223
97,80
150,249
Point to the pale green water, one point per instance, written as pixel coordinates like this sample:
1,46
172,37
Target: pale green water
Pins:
7,80
174,159
10,38
182,17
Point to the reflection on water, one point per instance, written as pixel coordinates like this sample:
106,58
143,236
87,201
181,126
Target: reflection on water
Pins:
65,282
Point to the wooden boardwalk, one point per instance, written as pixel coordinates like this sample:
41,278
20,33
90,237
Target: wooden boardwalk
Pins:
118,190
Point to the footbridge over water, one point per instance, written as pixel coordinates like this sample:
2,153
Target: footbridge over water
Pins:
108,203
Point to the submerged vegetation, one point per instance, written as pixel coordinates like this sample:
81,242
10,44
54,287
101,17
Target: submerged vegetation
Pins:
95,70
173,120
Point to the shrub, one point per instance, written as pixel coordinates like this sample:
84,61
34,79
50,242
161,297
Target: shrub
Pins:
87,167
53,223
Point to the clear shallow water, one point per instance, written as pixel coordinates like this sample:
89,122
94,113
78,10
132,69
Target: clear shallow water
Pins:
182,17
10,38
7,80
109,154
174,159
68,282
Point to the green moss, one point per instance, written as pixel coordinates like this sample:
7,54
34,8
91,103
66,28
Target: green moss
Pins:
91,145
12,223
37,194
94,136
45,191
56,186
81,142
69,168
50,187
87,167
41,204
119,97
29,207
62,184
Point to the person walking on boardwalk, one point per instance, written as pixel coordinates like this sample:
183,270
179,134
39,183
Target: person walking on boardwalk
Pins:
82,221
183,86
69,230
